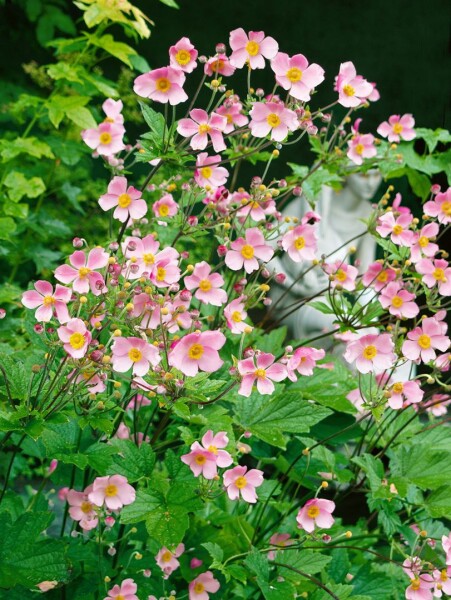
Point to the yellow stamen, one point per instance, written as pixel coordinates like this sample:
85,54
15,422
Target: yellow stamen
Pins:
77,341
369,352
196,351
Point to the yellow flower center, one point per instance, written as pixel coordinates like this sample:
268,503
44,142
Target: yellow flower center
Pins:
446,208
415,584
183,57
48,300
439,275
135,355
273,120
423,241
163,210
105,138
240,482
397,128
148,258
199,587
252,48
200,459
313,512
206,172
382,277
294,74
111,490
398,387
86,507
369,352
88,374
161,274
247,251
260,373
204,128
359,149
299,243
108,120
397,229
77,341
348,90
229,118
444,575
340,275
212,449
397,301
124,200
166,556
205,285
163,84
120,597
196,351
424,341
84,271
236,317
217,65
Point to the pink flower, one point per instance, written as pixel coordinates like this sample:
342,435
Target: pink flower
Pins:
125,591
200,127
75,337
378,276
341,274
162,85
280,540
126,199
443,582
232,111
208,173
398,301
241,481
446,545
113,492
273,118
422,243
113,110
360,147
200,461
82,274
208,285
396,228
134,352
165,206
106,139
219,65
352,89
420,588
398,128
422,341
235,314
205,582
263,371
48,302
405,391
143,254
295,74
316,512
46,586
166,270
167,560
245,251
303,361
436,273
198,351
371,352
214,443
82,509
440,207
183,55
195,563
252,48
300,243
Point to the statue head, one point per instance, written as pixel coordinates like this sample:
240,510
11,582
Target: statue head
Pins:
364,185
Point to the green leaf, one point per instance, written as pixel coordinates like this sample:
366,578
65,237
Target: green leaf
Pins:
154,119
167,524
420,184
131,461
170,3
433,137
7,227
307,561
146,501
19,211
63,70
426,469
31,146
59,106
438,504
119,50
299,170
19,186
17,375
139,63
82,117
216,553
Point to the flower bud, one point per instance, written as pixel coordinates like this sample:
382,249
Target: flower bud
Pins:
222,250
192,221
280,277
38,328
435,189
2,313
77,242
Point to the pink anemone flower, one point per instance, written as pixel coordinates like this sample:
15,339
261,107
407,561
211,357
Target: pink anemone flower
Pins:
167,560
126,591
165,206
436,273
162,85
207,285
352,89
113,492
235,315
264,371
280,541
245,251
440,207
420,588
316,512
422,341
48,302
252,48
113,110
272,118
126,199
360,147
219,65
82,274
75,337
303,361
300,243
341,274
422,245
233,112
397,228
106,139
204,584
241,481
404,391
208,173
200,461
134,352
371,352
82,510
378,276
198,351
183,55
140,252
201,126
398,301
296,75
398,128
